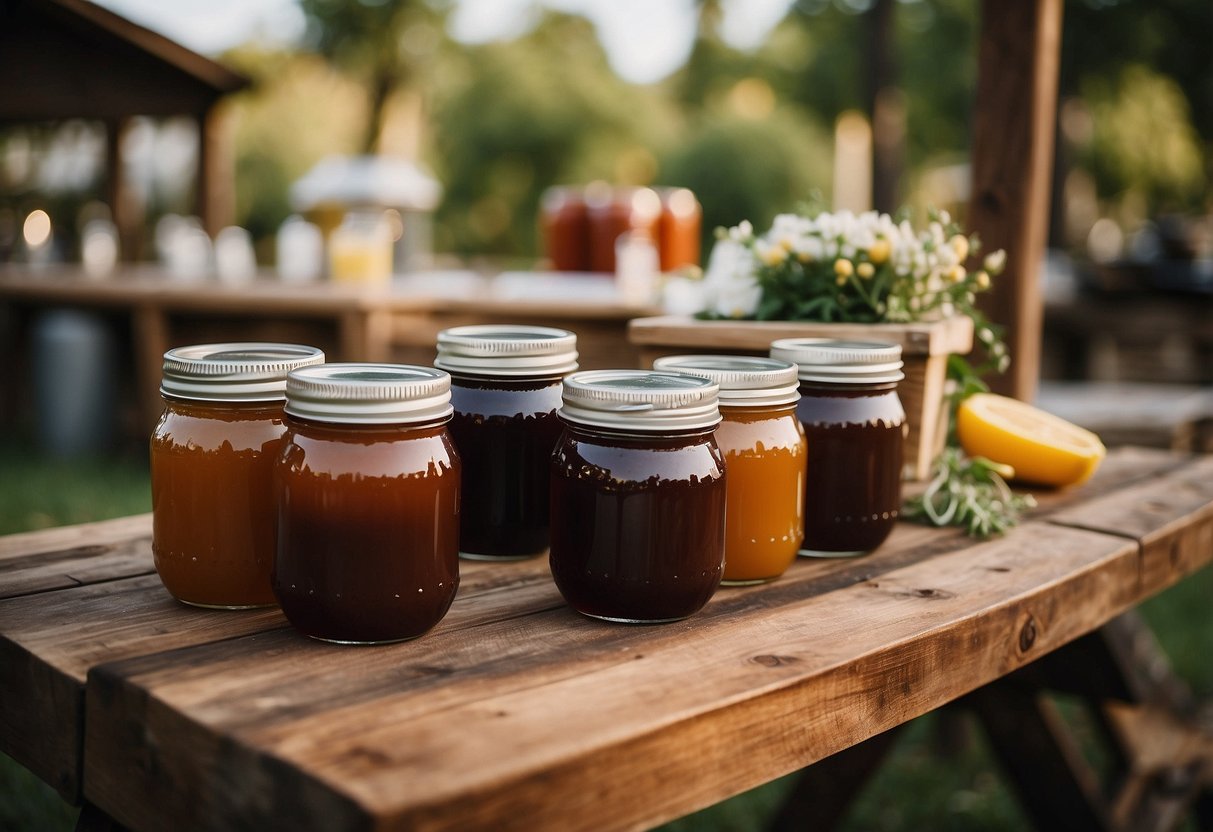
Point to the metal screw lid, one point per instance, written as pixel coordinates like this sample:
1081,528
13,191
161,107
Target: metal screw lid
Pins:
832,361
744,381
369,394
640,400
507,350
236,372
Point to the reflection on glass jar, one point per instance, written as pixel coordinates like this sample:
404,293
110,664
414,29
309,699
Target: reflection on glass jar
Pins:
368,503
638,496
855,428
212,456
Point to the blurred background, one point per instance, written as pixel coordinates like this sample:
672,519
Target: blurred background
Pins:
756,106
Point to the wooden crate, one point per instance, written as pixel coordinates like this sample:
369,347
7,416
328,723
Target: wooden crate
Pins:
925,349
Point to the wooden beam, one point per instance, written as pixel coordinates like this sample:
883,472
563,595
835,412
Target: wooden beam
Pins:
124,211
1013,128
215,196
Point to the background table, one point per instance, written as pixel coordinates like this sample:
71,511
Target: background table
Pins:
517,713
398,322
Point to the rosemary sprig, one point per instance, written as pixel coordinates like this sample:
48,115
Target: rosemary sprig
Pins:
969,492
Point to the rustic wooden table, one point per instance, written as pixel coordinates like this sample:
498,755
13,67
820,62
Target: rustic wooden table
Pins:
517,713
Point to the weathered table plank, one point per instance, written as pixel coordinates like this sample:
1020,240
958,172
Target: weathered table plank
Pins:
515,711
75,555
742,693
50,640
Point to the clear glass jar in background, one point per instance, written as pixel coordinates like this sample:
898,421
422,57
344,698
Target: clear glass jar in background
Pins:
367,492
212,458
505,388
360,249
638,496
855,427
764,451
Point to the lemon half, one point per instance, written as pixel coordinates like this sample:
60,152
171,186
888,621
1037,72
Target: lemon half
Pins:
1041,447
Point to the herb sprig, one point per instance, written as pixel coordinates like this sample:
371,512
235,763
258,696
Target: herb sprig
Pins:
969,492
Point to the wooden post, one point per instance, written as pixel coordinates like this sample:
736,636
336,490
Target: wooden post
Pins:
122,211
215,197
1019,52
886,108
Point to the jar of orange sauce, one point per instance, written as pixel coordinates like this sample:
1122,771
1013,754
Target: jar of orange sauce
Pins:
212,457
764,451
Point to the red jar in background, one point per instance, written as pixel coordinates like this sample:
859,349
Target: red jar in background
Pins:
681,220
566,229
613,212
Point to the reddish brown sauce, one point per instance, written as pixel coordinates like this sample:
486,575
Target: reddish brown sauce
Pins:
368,530
638,523
853,482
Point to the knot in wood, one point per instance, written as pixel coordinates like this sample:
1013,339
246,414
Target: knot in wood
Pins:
1027,634
773,661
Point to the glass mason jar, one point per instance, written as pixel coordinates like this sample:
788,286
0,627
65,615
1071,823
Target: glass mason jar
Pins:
505,388
638,496
764,451
566,229
367,490
855,427
212,457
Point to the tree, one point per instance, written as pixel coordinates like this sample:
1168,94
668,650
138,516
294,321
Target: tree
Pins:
385,43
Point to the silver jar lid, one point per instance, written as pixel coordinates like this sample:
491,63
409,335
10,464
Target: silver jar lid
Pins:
507,350
744,381
369,394
237,372
832,361
640,400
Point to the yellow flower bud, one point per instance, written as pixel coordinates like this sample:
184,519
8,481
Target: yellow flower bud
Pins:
960,245
841,280
880,251
982,279
774,255
956,274
844,268
865,270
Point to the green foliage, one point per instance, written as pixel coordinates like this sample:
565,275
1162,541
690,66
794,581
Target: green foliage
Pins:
749,169
520,117
1143,139
969,492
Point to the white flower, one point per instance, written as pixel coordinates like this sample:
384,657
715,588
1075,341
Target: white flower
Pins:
729,284
995,261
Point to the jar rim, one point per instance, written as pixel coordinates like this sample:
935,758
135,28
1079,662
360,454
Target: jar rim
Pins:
643,400
507,349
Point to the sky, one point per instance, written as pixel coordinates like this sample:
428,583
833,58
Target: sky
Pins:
645,40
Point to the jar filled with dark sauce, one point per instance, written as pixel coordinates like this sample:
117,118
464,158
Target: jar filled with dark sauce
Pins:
638,495
854,427
505,389
367,492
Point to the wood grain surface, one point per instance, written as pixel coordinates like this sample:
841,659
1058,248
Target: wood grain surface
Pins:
515,712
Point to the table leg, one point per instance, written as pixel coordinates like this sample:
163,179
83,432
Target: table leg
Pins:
824,791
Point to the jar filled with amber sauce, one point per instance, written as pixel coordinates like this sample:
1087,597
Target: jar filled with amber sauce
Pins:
505,388
212,457
764,451
855,427
638,495
367,492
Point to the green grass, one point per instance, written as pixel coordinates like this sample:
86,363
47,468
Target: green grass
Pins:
918,787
